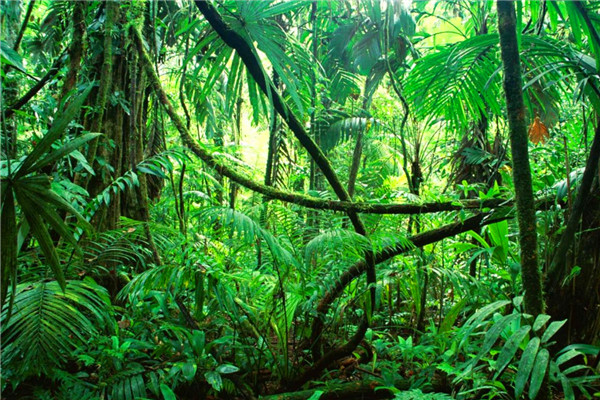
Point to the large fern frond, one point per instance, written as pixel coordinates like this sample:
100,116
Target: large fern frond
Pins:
246,229
338,240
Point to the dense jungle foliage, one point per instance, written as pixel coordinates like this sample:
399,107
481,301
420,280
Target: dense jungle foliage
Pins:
221,199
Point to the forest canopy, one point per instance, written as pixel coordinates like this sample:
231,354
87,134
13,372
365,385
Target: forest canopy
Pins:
291,199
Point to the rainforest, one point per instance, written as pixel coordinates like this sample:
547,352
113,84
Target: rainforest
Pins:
300,200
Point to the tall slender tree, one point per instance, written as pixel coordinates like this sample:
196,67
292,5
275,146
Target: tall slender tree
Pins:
513,91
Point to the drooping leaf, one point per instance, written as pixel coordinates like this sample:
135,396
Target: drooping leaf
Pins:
552,329
56,130
526,365
167,393
10,57
452,315
510,349
49,323
8,239
65,149
493,334
538,131
40,232
214,379
540,321
540,368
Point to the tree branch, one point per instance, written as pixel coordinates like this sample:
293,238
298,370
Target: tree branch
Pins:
417,241
37,87
296,198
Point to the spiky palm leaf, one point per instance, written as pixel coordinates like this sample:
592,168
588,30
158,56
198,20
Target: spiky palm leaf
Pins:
335,241
457,82
345,128
25,185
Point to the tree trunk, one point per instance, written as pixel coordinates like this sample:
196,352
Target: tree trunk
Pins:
76,48
513,90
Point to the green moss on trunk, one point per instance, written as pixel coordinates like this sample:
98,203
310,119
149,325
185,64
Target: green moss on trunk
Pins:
513,89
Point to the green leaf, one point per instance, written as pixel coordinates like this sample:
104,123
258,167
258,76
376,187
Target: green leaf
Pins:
55,132
452,315
574,21
281,8
11,57
64,150
51,217
525,365
167,392
567,387
479,316
49,323
540,321
189,370
510,349
40,232
227,369
198,341
499,235
51,197
539,372
316,395
213,378
567,356
552,329
494,332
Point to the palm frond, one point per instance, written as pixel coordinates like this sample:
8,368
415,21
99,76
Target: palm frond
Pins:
48,324
127,384
462,81
344,129
459,82
122,246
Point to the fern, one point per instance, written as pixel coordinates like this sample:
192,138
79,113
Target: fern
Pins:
338,240
247,230
128,384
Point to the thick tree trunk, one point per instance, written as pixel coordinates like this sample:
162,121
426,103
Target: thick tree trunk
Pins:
577,298
513,90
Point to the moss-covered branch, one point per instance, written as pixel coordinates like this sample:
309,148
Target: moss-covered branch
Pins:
296,198
417,241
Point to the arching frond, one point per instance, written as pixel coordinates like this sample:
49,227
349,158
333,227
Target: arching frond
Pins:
246,229
48,324
457,82
462,81
345,128
337,240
